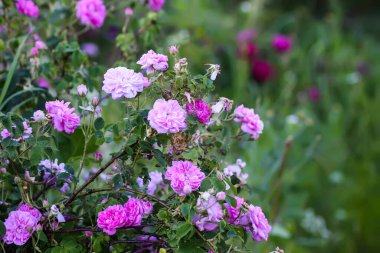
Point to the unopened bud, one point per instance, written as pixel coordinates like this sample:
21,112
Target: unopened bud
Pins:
95,101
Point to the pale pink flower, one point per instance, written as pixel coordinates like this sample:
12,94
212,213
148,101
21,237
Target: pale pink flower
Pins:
256,222
173,49
122,82
184,177
251,122
63,117
27,8
82,90
167,116
156,5
91,12
155,181
204,223
221,196
5,133
151,62
19,227
88,233
128,11
38,116
34,51
112,218
40,44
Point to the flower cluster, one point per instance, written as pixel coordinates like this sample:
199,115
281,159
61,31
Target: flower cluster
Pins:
208,204
20,224
250,122
63,117
184,176
253,220
91,12
167,116
151,62
119,216
236,170
51,170
122,82
27,8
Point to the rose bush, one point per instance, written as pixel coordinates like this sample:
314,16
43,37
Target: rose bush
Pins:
155,179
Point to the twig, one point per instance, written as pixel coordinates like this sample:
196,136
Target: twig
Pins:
89,181
147,196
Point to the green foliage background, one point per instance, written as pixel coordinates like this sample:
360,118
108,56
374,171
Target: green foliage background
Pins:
333,162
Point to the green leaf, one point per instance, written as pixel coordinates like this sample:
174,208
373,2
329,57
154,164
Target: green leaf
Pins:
99,123
218,184
185,209
183,229
162,214
12,69
2,229
159,157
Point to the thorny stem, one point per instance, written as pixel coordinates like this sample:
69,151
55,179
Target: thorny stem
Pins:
89,181
147,196
204,239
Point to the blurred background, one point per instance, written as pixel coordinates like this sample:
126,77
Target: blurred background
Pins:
311,69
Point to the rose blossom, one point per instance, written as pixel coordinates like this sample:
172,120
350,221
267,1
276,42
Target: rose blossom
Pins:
111,218
19,227
184,177
281,43
63,117
27,8
256,222
135,209
33,211
251,122
123,82
167,116
156,5
233,212
200,109
151,61
82,90
91,12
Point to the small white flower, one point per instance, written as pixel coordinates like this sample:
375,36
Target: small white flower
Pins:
215,70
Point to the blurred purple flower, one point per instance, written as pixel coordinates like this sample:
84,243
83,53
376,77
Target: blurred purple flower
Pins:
262,71
282,43
314,95
91,49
